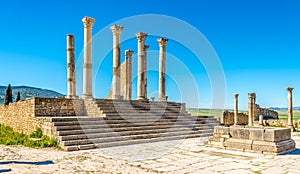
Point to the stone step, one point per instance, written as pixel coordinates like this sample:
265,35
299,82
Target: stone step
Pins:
113,133
136,141
119,129
117,124
125,138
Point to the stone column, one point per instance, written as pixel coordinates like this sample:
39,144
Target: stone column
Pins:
128,86
236,108
141,37
116,30
71,67
145,70
251,108
290,108
261,120
162,69
87,65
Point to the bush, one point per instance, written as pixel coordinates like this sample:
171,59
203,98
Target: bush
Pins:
9,137
38,133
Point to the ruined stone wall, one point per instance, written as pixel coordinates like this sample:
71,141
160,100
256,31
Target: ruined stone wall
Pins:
122,81
59,107
267,113
25,116
228,118
21,117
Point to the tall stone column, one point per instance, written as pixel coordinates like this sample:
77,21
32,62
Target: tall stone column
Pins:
236,108
87,65
145,70
116,30
128,86
162,69
141,37
251,108
290,108
71,67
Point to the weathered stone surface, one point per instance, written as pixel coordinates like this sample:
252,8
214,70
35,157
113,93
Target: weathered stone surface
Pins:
277,134
254,139
239,132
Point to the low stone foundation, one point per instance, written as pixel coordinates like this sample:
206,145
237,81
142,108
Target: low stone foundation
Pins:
254,139
26,115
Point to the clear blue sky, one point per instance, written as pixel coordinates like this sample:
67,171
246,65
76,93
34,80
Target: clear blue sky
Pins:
258,43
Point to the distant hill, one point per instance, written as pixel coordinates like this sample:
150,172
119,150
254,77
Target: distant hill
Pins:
283,108
28,92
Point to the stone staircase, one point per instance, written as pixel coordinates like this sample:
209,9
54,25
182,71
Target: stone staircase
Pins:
130,122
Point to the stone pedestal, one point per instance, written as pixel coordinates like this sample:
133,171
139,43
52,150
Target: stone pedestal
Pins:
261,120
290,108
87,65
128,85
116,30
162,69
141,37
71,67
273,141
236,108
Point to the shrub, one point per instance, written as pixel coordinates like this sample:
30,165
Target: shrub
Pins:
9,137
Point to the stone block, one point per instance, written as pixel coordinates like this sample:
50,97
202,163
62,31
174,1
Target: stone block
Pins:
235,143
256,134
276,134
239,132
221,130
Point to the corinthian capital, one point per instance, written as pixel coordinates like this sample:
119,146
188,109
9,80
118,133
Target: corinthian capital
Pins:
88,22
290,89
162,41
116,29
141,36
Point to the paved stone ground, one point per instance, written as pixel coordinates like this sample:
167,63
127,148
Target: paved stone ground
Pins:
188,156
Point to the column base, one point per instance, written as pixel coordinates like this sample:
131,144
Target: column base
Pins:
87,96
116,97
291,127
142,99
72,97
163,98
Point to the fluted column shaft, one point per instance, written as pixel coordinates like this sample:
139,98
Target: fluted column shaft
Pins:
128,85
87,66
145,70
141,37
116,30
71,67
251,108
236,108
162,69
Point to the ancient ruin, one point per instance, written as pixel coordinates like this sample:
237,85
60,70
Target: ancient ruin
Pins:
87,122
248,135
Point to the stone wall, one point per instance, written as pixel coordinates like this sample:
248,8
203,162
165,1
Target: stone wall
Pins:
228,118
26,115
58,107
267,113
123,78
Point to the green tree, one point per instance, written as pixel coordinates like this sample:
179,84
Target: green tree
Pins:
18,98
8,95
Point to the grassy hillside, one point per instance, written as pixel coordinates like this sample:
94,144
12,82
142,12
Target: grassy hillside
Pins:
28,92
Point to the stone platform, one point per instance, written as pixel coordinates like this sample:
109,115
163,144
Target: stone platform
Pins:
274,141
